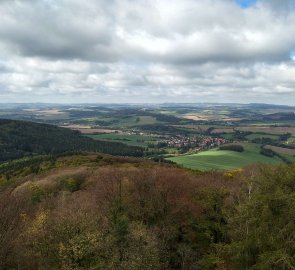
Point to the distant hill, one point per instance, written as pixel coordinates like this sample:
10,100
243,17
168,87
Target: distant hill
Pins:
289,116
20,138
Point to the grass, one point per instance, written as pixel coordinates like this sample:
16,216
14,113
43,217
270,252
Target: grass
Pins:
291,141
261,135
281,150
133,139
215,159
127,121
276,130
146,120
131,121
227,136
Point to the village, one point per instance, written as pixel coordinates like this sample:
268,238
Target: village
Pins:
196,143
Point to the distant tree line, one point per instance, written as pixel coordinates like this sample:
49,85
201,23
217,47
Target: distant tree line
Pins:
270,153
232,147
19,139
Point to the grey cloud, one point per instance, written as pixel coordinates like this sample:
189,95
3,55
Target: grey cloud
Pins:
278,5
144,50
4,68
182,32
60,30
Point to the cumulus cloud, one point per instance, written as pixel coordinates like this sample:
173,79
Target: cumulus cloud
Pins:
143,50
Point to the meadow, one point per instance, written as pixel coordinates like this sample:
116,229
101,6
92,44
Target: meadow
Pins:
262,135
275,130
281,150
128,139
216,159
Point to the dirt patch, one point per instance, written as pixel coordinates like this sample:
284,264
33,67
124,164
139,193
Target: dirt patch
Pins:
89,130
281,150
269,130
204,117
77,127
199,128
222,130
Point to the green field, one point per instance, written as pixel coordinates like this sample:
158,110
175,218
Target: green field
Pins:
291,141
224,160
227,136
131,121
262,135
146,120
133,139
230,136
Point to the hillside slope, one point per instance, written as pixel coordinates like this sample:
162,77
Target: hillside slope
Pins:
95,211
215,159
20,138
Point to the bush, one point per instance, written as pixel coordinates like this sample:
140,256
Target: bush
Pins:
71,184
270,153
267,152
37,193
232,147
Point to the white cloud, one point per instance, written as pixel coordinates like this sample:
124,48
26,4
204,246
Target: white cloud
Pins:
143,50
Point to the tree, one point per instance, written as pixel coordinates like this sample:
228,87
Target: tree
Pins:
262,225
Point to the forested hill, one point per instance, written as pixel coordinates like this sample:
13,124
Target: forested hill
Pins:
20,138
95,211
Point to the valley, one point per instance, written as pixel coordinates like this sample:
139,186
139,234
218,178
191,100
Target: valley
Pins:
126,187
187,134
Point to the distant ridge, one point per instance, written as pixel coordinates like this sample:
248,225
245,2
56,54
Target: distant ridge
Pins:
20,138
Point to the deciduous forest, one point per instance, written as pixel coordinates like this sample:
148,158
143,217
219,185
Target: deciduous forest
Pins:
92,211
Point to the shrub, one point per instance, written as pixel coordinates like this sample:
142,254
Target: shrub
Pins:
37,193
267,152
232,147
71,184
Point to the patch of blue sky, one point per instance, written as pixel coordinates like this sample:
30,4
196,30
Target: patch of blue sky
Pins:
246,3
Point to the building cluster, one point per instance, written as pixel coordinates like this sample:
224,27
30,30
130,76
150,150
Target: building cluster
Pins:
197,143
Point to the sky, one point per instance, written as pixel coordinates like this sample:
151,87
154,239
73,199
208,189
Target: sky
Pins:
147,51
